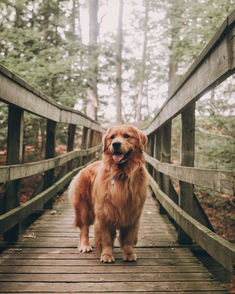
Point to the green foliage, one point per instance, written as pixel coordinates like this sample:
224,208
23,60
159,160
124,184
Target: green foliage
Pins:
192,25
37,45
3,123
215,148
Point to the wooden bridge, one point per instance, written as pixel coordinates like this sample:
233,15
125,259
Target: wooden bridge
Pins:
44,258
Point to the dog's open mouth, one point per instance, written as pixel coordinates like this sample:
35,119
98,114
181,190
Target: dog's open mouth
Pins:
120,157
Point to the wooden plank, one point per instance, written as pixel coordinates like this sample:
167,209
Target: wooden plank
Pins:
31,267
214,64
93,262
218,180
149,292
16,91
155,256
101,269
106,277
135,287
13,172
220,249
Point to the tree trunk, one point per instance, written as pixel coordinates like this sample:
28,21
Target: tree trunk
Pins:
174,12
119,66
92,95
143,64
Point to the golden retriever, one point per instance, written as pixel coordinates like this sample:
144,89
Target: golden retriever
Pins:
111,192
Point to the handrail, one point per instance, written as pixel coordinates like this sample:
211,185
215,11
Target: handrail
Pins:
220,249
21,96
215,64
218,180
14,172
15,90
218,59
16,215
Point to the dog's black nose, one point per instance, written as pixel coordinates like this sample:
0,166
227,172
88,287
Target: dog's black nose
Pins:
116,145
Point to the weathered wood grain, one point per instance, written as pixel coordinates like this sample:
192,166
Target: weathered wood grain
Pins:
13,172
106,277
102,287
14,156
31,267
218,180
16,91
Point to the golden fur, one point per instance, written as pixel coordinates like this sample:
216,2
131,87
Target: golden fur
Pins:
111,193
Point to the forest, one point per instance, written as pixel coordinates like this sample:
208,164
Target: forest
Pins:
117,61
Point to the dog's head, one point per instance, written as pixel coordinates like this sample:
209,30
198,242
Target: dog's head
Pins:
123,142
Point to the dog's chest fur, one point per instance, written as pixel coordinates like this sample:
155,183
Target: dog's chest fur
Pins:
121,198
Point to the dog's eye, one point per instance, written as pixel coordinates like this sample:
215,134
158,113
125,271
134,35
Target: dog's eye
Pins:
126,136
112,137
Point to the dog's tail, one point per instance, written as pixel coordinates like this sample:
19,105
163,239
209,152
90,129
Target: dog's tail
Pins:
71,189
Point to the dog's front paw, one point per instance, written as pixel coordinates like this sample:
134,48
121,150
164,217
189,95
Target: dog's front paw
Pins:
85,248
107,258
132,257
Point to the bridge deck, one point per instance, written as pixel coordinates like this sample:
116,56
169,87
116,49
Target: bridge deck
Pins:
45,260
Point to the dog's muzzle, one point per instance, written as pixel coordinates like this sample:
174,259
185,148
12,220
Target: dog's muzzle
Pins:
118,156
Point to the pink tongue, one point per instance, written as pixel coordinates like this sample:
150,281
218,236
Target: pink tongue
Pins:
118,158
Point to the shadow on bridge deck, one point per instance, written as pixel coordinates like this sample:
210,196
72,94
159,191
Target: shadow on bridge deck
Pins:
45,260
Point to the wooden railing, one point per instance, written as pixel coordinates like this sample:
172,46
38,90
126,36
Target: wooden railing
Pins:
21,97
213,66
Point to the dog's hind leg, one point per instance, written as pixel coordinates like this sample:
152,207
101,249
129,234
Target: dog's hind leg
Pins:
80,196
85,215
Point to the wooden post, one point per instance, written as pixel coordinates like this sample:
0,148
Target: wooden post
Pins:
84,143
159,176
155,153
90,142
14,156
70,143
187,159
151,151
50,152
166,155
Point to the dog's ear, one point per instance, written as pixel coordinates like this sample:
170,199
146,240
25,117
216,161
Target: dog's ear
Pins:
143,139
104,140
